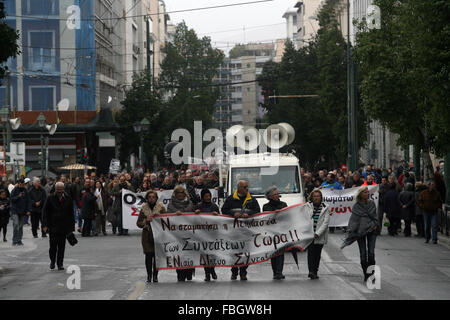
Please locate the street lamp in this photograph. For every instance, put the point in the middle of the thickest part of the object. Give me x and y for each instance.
(51, 128)
(139, 127)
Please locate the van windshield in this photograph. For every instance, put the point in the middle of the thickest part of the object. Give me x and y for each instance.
(286, 180)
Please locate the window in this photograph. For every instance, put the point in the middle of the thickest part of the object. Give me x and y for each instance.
(294, 20)
(44, 8)
(42, 97)
(42, 52)
(287, 179)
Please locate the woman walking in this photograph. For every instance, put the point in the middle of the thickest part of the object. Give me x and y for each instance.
(206, 205)
(103, 203)
(275, 204)
(180, 203)
(320, 214)
(4, 212)
(150, 209)
(362, 226)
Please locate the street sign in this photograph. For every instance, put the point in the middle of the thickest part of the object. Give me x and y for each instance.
(114, 166)
(17, 153)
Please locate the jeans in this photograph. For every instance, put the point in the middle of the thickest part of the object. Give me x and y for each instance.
(430, 222)
(367, 248)
(17, 228)
(314, 252)
(77, 214)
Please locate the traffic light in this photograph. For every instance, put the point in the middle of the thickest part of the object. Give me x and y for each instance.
(84, 157)
(41, 159)
(79, 156)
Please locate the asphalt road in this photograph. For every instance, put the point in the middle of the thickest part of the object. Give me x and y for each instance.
(113, 267)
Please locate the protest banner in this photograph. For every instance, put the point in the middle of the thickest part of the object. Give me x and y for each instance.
(132, 203)
(341, 203)
(205, 240)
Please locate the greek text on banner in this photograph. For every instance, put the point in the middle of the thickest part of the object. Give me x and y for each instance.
(205, 240)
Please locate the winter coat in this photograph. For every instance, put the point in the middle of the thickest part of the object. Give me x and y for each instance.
(105, 202)
(391, 204)
(207, 207)
(419, 211)
(89, 205)
(20, 205)
(430, 201)
(382, 189)
(37, 195)
(59, 219)
(322, 222)
(4, 211)
(148, 243)
(247, 205)
(184, 205)
(407, 198)
(273, 205)
(364, 219)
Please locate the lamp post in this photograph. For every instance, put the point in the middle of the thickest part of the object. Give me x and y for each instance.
(51, 128)
(139, 127)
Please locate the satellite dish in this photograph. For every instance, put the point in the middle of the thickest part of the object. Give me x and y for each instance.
(15, 123)
(51, 128)
(63, 105)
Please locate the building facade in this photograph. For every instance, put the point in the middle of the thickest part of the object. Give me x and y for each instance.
(77, 59)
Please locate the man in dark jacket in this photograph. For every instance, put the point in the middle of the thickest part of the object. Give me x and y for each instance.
(37, 196)
(117, 206)
(430, 201)
(382, 189)
(58, 220)
(20, 206)
(240, 205)
(88, 208)
(275, 204)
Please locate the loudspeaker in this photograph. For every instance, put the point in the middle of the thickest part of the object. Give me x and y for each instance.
(279, 135)
(51, 128)
(248, 138)
(15, 123)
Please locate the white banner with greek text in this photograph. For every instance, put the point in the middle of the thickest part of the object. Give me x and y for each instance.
(206, 240)
(341, 203)
(133, 202)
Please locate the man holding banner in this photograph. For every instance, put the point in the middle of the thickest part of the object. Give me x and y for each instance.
(240, 205)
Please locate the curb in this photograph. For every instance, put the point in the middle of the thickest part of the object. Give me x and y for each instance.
(442, 239)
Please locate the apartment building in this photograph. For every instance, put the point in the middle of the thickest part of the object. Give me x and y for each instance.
(77, 59)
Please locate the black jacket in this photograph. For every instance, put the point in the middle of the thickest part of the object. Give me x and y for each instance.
(250, 207)
(88, 207)
(20, 205)
(37, 195)
(4, 213)
(207, 207)
(273, 205)
(58, 219)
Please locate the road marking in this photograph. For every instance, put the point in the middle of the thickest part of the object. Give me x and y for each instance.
(140, 287)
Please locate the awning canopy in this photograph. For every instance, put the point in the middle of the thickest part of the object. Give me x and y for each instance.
(77, 166)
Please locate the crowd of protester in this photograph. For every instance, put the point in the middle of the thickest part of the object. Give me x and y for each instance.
(96, 201)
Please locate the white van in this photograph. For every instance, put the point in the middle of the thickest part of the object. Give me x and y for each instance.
(252, 168)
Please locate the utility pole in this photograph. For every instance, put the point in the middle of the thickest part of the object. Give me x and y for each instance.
(349, 110)
(352, 133)
(8, 107)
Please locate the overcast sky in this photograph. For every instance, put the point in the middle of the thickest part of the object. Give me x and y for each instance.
(266, 16)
